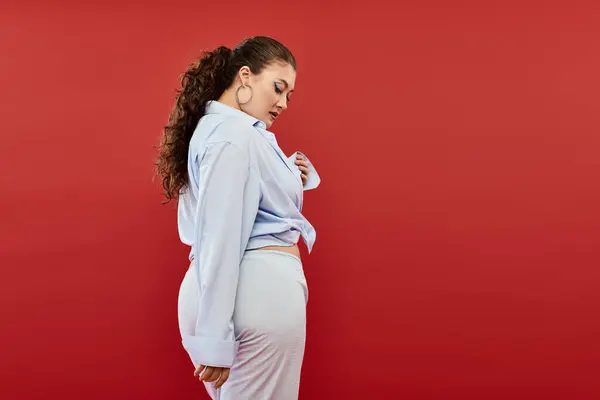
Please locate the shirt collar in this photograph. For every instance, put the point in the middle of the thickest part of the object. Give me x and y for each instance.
(216, 107)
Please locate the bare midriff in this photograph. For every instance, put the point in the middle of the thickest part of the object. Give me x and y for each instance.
(294, 249)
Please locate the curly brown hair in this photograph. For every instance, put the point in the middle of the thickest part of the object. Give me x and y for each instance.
(205, 80)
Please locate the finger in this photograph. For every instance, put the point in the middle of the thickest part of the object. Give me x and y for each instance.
(222, 379)
(299, 156)
(206, 373)
(304, 178)
(213, 376)
(304, 170)
(199, 370)
(302, 163)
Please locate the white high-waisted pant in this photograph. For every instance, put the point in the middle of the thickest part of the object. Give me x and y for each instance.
(270, 323)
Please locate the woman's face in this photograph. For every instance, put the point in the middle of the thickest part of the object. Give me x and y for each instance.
(271, 91)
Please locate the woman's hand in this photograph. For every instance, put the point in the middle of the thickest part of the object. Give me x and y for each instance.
(303, 166)
(218, 375)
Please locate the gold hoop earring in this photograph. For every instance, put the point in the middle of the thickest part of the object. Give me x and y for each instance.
(237, 94)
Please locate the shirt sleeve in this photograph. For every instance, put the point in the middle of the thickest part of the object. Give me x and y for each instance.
(228, 198)
(314, 179)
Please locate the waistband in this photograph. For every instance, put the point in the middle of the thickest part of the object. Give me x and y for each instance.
(252, 253)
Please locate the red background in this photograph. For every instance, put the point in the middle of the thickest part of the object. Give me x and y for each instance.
(458, 221)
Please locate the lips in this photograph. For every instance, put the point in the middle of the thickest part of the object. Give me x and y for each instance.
(274, 114)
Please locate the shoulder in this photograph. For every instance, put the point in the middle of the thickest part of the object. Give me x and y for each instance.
(236, 131)
(215, 133)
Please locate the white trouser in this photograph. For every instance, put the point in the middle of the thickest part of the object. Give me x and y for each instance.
(270, 323)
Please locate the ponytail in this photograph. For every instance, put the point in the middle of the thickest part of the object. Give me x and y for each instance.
(204, 80)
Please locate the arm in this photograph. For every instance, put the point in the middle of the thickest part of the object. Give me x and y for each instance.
(227, 205)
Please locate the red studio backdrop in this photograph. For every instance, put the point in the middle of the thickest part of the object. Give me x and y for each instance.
(458, 220)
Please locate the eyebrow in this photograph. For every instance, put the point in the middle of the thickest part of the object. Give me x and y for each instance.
(285, 83)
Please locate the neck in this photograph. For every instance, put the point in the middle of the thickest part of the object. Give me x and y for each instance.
(228, 98)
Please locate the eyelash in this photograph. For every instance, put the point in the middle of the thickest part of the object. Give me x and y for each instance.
(279, 91)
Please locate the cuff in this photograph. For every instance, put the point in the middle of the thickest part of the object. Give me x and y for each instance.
(210, 351)
(313, 176)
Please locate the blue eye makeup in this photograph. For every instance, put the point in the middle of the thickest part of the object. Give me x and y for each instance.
(279, 91)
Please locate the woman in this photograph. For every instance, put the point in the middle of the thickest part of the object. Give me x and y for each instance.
(242, 302)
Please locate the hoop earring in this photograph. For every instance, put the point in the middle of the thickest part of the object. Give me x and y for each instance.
(237, 94)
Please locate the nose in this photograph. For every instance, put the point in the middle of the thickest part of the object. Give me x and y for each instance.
(282, 103)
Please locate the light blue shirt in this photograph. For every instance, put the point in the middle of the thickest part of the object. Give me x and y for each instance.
(243, 193)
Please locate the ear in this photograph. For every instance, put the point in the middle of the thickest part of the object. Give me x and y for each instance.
(244, 74)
